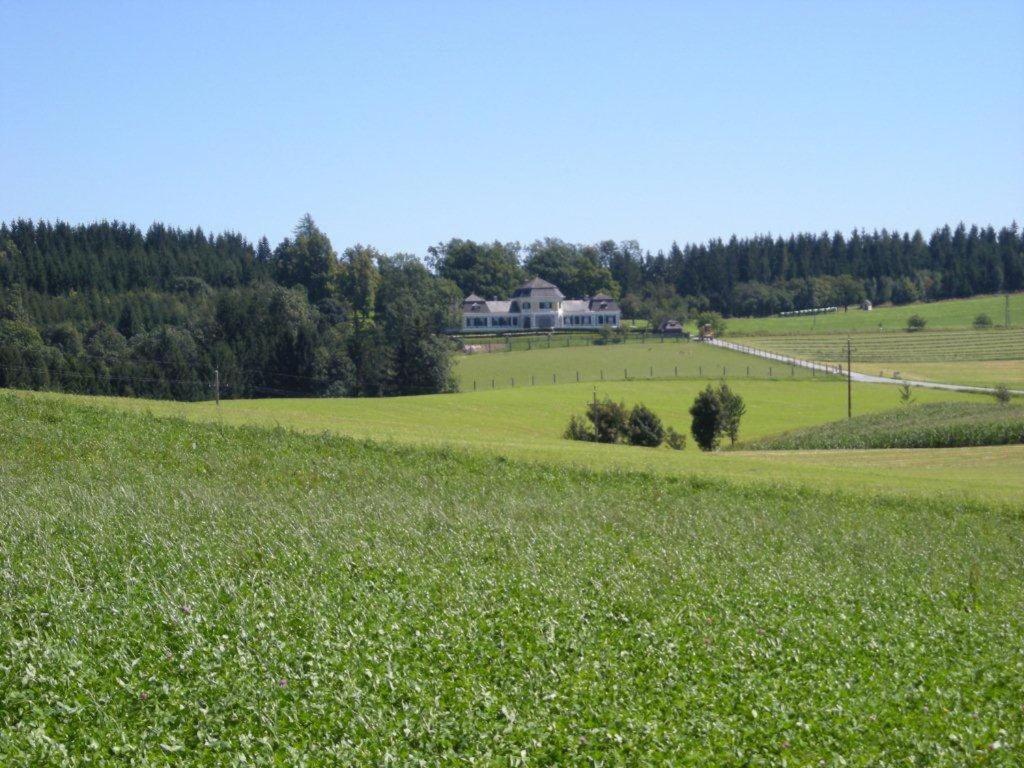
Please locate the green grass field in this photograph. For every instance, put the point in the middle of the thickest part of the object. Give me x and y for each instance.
(527, 423)
(923, 346)
(180, 593)
(983, 373)
(964, 356)
(656, 359)
(953, 313)
(933, 425)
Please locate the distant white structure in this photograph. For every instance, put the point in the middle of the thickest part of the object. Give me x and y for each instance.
(815, 311)
(866, 305)
(539, 305)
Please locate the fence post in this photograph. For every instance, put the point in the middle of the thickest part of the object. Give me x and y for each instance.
(677, 371)
(652, 371)
(723, 371)
(513, 381)
(602, 374)
(769, 371)
(577, 377)
(533, 380)
(554, 378)
(474, 385)
(492, 383)
(625, 373)
(700, 371)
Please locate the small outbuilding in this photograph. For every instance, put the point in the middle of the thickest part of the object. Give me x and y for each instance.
(670, 328)
(866, 305)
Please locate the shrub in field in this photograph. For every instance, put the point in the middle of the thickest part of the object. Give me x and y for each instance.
(906, 393)
(1002, 394)
(982, 321)
(916, 323)
(706, 425)
(610, 420)
(733, 409)
(645, 428)
(675, 440)
(578, 430)
(716, 412)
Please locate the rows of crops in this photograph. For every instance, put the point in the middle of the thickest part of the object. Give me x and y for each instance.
(934, 425)
(900, 346)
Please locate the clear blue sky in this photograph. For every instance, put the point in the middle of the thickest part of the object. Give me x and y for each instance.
(401, 124)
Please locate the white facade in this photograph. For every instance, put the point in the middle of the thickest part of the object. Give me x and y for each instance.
(539, 305)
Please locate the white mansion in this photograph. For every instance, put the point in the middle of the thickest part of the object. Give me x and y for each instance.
(537, 304)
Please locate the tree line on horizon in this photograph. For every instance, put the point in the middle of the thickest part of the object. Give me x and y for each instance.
(105, 308)
(756, 276)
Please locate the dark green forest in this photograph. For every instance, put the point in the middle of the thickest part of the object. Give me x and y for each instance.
(105, 308)
(108, 309)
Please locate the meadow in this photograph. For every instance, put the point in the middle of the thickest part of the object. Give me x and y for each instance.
(655, 359)
(176, 592)
(951, 313)
(900, 346)
(963, 356)
(933, 425)
(526, 423)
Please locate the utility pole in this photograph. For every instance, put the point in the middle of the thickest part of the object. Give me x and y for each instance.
(849, 380)
(216, 385)
(1006, 311)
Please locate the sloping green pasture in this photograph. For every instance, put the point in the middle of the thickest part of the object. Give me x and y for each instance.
(900, 346)
(965, 356)
(527, 423)
(192, 594)
(952, 313)
(657, 359)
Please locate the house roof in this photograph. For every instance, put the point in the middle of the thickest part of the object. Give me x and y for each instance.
(536, 288)
(602, 301)
(498, 306)
(474, 303)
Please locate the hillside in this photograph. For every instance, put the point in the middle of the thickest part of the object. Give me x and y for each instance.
(176, 591)
(947, 314)
(527, 423)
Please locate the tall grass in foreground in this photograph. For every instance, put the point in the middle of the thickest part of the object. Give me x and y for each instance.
(932, 425)
(175, 593)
